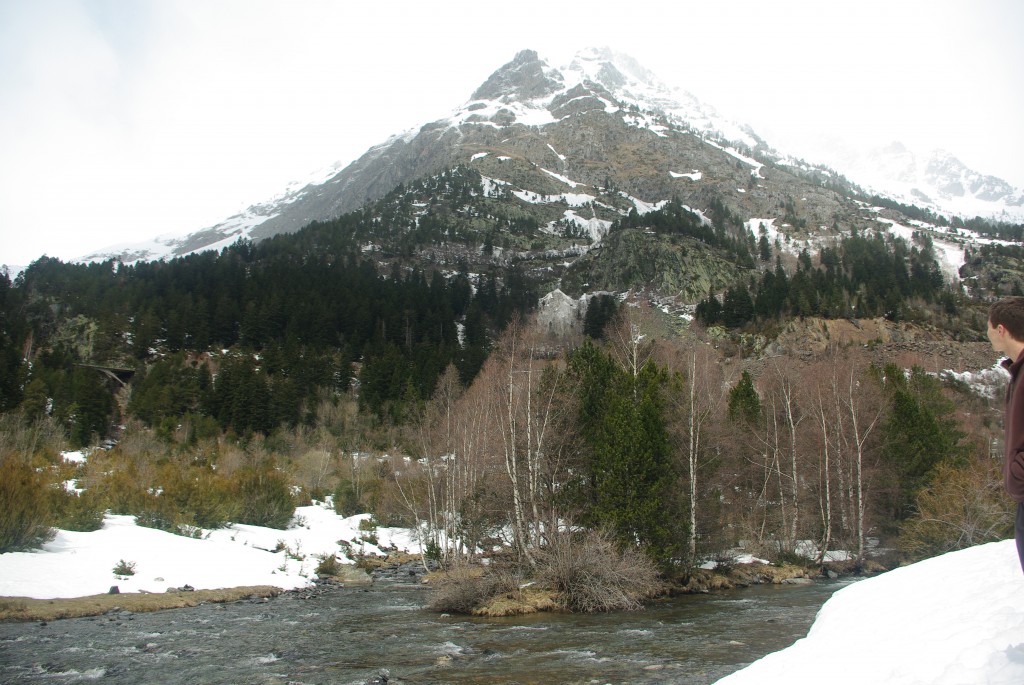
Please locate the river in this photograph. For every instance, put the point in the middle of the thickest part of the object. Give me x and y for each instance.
(354, 635)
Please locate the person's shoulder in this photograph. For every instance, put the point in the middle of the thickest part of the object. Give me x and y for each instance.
(1014, 365)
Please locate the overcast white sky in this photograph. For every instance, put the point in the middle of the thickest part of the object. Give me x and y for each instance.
(121, 120)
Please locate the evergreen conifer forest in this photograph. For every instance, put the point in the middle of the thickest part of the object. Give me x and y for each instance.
(232, 386)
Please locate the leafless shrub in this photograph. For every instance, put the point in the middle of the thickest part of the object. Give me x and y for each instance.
(139, 442)
(315, 471)
(121, 479)
(232, 458)
(464, 588)
(592, 573)
(264, 497)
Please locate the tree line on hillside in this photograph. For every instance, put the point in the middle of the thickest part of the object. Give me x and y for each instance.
(988, 227)
(248, 338)
(245, 336)
(725, 233)
(1002, 230)
(862, 276)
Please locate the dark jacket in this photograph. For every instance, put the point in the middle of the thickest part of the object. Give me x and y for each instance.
(1013, 425)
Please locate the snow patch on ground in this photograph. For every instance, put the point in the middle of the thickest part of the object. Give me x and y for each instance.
(643, 207)
(990, 382)
(949, 253)
(956, 619)
(597, 229)
(567, 181)
(77, 564)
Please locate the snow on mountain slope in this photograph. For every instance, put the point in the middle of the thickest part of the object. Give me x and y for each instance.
(530, 92)
(527, 91)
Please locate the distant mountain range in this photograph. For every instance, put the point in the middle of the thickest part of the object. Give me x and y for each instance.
(937, 181)
(605, 122)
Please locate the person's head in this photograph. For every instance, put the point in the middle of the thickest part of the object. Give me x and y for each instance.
(1006, 324)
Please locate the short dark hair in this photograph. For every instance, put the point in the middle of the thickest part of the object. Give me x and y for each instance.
(1009, 312)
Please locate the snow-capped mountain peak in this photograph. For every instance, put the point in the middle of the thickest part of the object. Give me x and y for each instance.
(528, 92)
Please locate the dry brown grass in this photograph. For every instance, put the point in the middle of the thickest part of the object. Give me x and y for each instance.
(455, 573)
(518, 602)
(775, 575)
(352, 575)
(26, 609)
(466, 589)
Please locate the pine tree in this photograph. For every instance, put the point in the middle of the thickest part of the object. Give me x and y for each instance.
(737, 308)
(709, 311)
(744, 402)
(921, 433)
(600, 310)
(628, 469)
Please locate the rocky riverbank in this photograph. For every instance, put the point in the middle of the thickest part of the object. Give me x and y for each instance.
(701, 581)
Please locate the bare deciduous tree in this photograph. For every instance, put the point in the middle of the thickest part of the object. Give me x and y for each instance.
(847, 409)
(700, 401)
(454, 444)
(865, 407)
(783, 418)
(630, 344)
(514, 420)
(960, 508)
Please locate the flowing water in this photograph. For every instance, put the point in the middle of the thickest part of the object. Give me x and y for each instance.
(347, 635)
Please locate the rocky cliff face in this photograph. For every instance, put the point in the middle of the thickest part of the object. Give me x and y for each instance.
(525, 79)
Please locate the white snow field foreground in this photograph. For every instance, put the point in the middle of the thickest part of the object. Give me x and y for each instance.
(956, 619)
(81, 564)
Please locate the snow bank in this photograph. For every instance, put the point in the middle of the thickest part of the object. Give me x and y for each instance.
(957, 619)
(79, 564)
